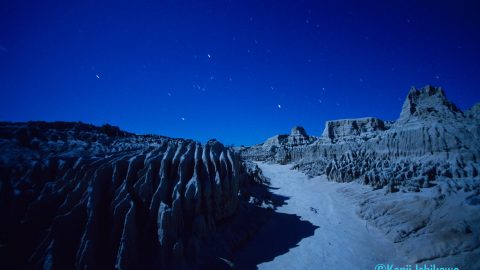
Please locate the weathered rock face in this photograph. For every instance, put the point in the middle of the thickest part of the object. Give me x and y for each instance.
(432, 139)
(428, 103)
(298, 131)
(431, 154)
(353, 129)
(78, 196)
(474, 112)
(282, 148)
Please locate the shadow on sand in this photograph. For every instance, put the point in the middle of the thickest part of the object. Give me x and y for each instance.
(276, 237)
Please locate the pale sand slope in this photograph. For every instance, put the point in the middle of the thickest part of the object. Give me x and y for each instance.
(342, 240)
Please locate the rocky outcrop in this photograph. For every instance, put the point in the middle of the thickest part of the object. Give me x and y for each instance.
(281, 148)
(424, 170)
(298, 136)
(428, 103)
(353, 129)
(432, 139)
(474, 112)
(76, 196)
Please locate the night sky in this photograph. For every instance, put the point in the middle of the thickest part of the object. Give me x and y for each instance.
(238, 71)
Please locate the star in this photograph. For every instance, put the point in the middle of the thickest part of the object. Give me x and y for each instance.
(98, 76)
(279, 106)
(183, 118)
(209, 56)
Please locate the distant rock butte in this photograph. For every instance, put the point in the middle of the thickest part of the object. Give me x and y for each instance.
(298, 132)
(353, 128)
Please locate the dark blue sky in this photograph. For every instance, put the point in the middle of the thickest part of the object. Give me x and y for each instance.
(238, 71)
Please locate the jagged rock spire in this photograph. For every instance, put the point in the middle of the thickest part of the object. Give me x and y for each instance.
(428, 102)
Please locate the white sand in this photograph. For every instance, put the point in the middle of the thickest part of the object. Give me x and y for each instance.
(342, 239)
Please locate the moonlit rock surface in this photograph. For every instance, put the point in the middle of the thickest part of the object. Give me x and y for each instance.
(298, 132)
(351, 129)
(474, 112)
(428, 103)
(85, 197)
(279, 146)
(432, 150)
(431, 139)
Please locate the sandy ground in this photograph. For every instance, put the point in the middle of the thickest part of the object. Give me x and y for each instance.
(316, 228)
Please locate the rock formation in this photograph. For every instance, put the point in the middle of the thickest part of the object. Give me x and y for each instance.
(79, 196)
(76, 196)
(431, 139)
(353, 129)
(474, 112)
(433, 149)
(282, 148)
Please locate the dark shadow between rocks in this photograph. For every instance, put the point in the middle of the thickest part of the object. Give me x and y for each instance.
(255, 234)
(279, 234)
(277, 200)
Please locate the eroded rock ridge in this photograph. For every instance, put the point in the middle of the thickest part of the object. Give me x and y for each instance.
(76, 196)
(427, 162)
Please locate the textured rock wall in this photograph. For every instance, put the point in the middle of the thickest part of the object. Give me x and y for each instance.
(77, 196)
(428, 161)
(431, 139)
(280, 148)
(353, 128)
